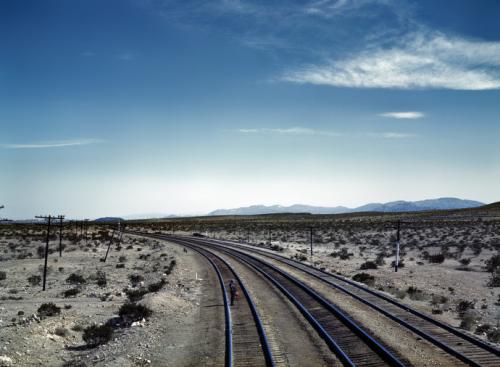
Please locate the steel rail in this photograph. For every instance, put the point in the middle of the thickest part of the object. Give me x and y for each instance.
(227, 315)
(300, 266)
(258, 322)
(368, 340)
(378, 348)
(312, 271)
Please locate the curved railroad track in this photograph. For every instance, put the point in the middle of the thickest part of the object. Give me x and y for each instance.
(351, 344)
(467, 348)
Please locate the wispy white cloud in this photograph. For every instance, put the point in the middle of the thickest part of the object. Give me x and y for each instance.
(403, 115)
(313, 132)
(284, 26)
(422, 60)
(324, 8)
(52, 144)
(393, 135)
(289, 131)
(332, 8)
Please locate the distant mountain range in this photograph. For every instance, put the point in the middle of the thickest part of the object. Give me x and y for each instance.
(393, 206)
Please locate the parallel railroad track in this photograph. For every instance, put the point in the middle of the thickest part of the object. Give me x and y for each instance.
(467, 348)
(246, 341)
(351, 344)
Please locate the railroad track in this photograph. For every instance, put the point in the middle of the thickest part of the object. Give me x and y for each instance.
(351, 344)
(467, 348)
(246, 341)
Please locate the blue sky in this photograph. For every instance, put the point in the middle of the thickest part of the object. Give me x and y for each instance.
(128, 107)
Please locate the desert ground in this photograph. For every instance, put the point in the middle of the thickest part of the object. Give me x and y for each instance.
(84, 321)
(145, 304)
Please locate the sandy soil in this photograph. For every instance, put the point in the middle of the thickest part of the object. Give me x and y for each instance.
(181, 315)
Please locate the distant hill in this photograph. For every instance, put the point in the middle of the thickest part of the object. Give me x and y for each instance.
(413, 206)
(493, 206)
(276, 209)
(393, 206)
(109, 219)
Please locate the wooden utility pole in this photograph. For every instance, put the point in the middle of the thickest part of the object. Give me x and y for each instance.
(85, 221)
(121, 235)
(109, 246)
(311, 240)
(49, 219)
(60, 235)
(398, 239)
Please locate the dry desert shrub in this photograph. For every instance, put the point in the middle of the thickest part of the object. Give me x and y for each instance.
(463, 306)
(482, 329)
(135, 279)
(415, 293)
(76, 279)
(436, 259)
(95, 335)
(364, 278)
(493, 263)
(155, 287)
(48, 309)
(34, 280)
(135, 295)
(134, 312)
(465, 262)
(368, 265)
(469, 319)
(100, 278)
(300, 257)
(494, 279)
(71, 292)
(494, 335)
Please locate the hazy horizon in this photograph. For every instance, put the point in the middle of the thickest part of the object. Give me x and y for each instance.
(165, 214)
(126, 107)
